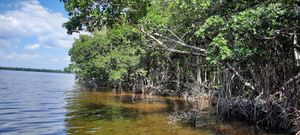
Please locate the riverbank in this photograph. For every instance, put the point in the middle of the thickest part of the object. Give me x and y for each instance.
(264, 113)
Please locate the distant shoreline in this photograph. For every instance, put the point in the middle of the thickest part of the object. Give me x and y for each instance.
(32, 69)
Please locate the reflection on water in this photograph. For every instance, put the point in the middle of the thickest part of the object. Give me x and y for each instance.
(108, 113)
(95, 112)
(48, 103)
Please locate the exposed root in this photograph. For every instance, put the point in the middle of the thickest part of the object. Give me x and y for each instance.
(267, 114)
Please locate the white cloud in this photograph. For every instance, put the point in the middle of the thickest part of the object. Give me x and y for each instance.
(31, 19)
(62, 58)
(17, 56)
(32, 47)
(67, 58)
(8, 43)
(4, 43)
(48, 47)
(55, 59)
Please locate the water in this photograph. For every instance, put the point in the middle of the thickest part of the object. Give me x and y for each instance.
(34, 103)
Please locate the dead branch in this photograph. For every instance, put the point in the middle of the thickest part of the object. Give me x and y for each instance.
(182, 43)
(294, 78)
(241, 78)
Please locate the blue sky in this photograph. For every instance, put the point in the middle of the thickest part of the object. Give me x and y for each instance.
(31, 34)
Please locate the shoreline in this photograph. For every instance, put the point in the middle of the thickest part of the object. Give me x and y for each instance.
(33, 70)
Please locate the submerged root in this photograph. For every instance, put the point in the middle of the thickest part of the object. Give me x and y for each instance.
(265, 114)
(195, 118)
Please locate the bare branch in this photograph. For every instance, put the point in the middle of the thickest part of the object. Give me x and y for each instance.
(241, 78)
(181, 43)
(152, 37)
(180, 39)
(177, 51)
(294, 78)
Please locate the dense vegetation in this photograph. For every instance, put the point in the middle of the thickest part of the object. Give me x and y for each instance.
(34, 69)
(241, 55)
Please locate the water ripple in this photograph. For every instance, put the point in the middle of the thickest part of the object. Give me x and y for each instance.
(33, 103)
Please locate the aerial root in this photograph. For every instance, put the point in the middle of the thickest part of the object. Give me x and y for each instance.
(266, 114)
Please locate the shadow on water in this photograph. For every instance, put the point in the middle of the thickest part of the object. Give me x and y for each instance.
(95, 112)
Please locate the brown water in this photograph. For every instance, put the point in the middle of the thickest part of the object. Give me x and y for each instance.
(46, 103)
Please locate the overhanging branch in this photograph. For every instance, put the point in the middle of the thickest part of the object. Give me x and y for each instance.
(231, 68)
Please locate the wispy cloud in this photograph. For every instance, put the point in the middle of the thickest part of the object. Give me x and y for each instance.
(34, 20)
(55, 59)
(7, 43)
(63, 58)
(32, 47)
(17, 56)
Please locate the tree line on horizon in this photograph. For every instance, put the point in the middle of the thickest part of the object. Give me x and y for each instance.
(66, 69)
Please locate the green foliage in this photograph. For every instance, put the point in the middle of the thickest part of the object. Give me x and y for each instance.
(228, 31)
(232, 31)
(156, 17)
(108, 55)
(218, 49)
(211, 24)
(93, 15)
(260, 21)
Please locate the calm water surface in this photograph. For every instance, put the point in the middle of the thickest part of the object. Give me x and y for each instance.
(33, 103)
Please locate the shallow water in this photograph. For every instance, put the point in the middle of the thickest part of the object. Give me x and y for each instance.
(50, 103)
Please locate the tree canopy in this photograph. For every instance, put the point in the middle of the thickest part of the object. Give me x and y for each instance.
(93, 15)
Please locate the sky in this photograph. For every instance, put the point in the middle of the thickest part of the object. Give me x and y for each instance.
(32, 36)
